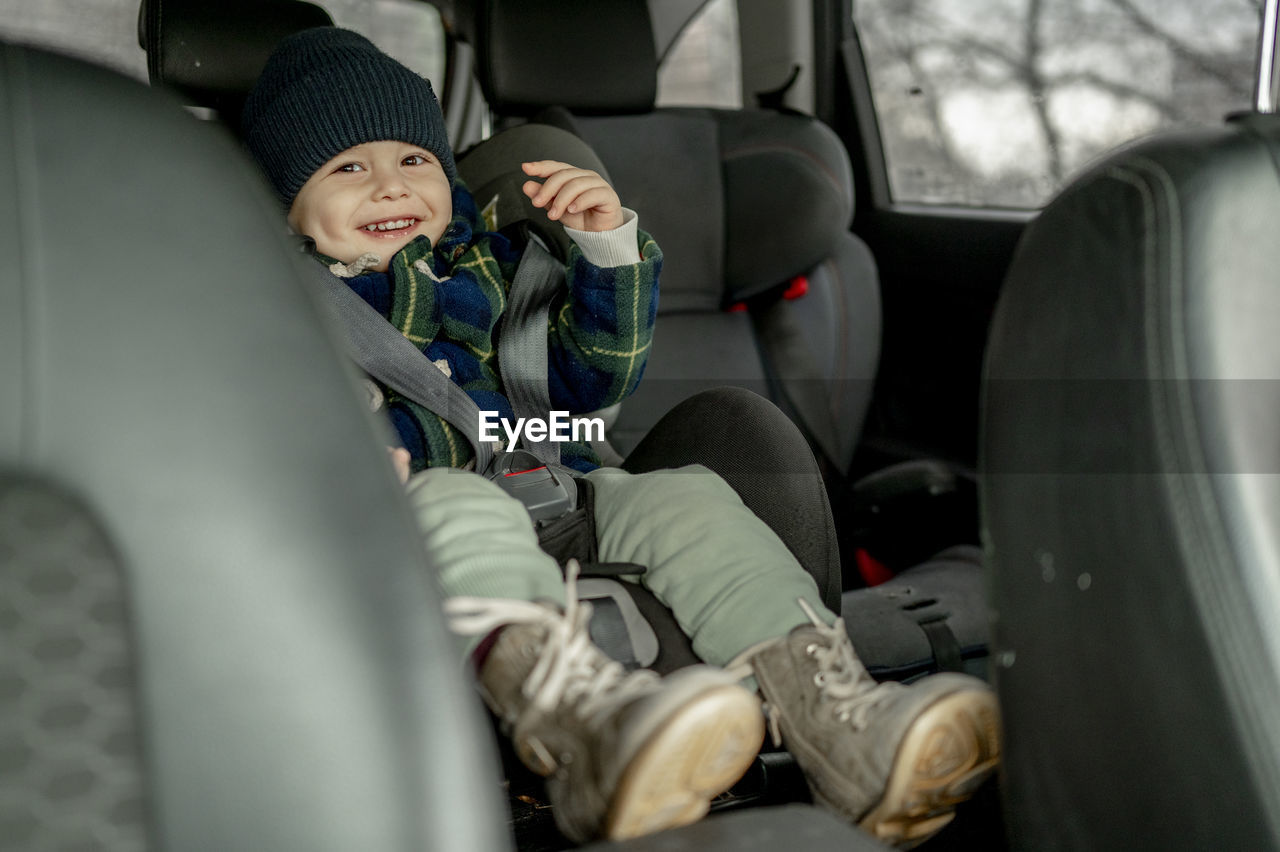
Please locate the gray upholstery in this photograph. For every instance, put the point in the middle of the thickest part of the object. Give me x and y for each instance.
(741, 201)
(648, 157)
(162, 362)
(1130, 452)
(71, 773)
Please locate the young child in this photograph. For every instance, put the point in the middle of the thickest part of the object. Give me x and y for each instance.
(355, 147)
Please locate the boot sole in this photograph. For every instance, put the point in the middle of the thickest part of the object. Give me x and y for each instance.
(700, 751)
(946, 754)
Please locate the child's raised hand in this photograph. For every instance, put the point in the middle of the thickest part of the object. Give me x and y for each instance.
(577, 198)
(400, 459)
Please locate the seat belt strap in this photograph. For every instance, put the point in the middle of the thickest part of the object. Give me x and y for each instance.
(546, 490)
(388, 356)
(522, 347)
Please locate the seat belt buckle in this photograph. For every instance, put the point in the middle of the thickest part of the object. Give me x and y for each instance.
(546, 491)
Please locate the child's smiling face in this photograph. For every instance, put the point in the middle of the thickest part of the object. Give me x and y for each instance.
(373, 197)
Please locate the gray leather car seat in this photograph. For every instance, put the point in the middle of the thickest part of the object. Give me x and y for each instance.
(745, 203)
(217, 624)
(1130, 488)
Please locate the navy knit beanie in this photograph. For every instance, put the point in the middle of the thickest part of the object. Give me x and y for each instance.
(326, 89)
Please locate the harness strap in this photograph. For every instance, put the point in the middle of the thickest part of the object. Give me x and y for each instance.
(387, 355)
(943, 643)
(522, 349)
(533, 475)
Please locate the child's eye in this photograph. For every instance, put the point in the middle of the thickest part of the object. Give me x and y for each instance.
(416, 160)
(349, 167)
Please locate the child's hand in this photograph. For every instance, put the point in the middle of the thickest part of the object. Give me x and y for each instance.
(577, 198)
(400, 461)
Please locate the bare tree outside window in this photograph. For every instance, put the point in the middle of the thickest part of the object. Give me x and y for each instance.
(703, 67)
(996, 103)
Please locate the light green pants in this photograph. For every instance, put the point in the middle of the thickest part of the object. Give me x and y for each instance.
(728, 579)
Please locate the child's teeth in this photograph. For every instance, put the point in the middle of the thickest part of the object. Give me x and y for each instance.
(390, 226)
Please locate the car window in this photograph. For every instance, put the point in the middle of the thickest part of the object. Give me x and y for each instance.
(997, 103)
(101, 31)
(105, 31)
(408, 30)
(704, 67)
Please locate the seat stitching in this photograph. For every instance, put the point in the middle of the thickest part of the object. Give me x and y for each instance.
(1200, 535)
(17, 77)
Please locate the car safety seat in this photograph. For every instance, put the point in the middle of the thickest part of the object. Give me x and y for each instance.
(217, 627)
(763, 286)
(1130, 487)
(232, 51)
(931, 616)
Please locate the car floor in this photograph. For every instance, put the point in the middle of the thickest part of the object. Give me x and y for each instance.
(773, 780)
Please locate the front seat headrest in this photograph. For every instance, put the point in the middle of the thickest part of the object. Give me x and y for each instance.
(209, 53)
(587, 56)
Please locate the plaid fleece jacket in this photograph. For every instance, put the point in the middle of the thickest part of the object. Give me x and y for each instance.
(449, 302)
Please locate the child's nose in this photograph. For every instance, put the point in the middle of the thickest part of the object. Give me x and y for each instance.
(389, 184)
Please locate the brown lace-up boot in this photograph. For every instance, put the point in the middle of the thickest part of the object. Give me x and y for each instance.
(892, 758)
(624, 754)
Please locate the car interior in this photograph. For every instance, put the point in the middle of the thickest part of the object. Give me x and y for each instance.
(218, 628)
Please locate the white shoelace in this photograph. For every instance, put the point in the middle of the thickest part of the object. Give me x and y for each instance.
(840, 676)
(570, 670)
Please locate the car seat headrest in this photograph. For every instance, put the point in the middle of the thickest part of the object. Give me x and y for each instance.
(588, 56)
(788, 197)
(492, 172)
(212, 53)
